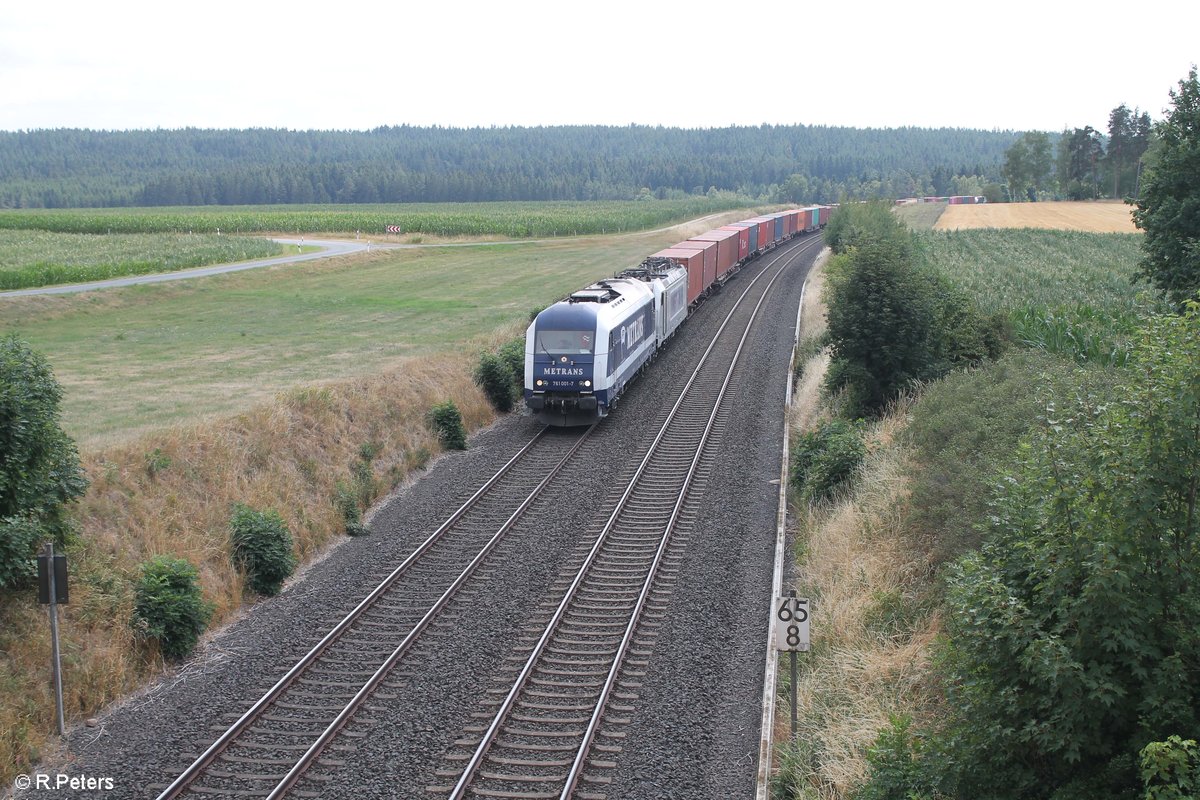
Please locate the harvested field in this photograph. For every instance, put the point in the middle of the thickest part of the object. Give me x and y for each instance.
(1110, 217)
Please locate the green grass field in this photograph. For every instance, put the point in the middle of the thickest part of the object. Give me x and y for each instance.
(509, 220)
(135, 359)
(43, 258)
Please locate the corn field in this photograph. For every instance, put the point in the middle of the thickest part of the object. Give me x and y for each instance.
(1066, 292)
(516, 220)
(42, 258)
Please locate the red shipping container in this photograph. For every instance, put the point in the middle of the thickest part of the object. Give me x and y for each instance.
(766, 231)
(792, 220)
(743, 239)
(710, 260)
(727, 248)
(693, 262)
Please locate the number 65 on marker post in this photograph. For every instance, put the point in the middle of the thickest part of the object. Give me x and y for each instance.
(791, 623)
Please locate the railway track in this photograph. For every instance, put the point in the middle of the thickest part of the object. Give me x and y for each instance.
(556, 727)
(281, 744)
(275, 742)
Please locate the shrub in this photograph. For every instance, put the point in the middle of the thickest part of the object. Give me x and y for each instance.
(492, 374)
(1171, 769)
(896, 764)
(447, 423)
(19, 538)
(513, 354)
(346, 501)
(39, 467)
(825, 460)
(157, 461)
(262, 548)
(882, 320)
(168, 606)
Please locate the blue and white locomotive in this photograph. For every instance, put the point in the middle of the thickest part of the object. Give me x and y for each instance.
(581, 352)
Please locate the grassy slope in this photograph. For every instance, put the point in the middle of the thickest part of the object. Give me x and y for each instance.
(133, 360)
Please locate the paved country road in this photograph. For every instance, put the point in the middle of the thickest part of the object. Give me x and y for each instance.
(328, 248)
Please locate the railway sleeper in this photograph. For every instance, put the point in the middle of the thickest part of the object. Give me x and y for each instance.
(244, 776)
(569, 733)
(516, 777)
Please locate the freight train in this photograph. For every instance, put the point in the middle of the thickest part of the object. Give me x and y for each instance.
(581, 352)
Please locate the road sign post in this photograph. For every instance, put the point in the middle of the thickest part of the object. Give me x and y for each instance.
(791, 634)
(52, 590)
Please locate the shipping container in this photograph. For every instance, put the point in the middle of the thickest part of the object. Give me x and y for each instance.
(693, 262)
(727, 248)
(806, 220)
(710, 260)
(752, 228)
(766, 231)
(743, 239)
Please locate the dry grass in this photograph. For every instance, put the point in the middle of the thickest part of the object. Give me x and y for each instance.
(171, 492)
(1090, 217)
(871, 636)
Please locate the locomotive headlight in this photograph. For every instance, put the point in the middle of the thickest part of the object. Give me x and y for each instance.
(538, 382)
(587, 383)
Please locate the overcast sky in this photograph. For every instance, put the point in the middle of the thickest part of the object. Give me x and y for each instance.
(359, 64)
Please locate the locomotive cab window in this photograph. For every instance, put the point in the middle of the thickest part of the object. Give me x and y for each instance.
(566, 342)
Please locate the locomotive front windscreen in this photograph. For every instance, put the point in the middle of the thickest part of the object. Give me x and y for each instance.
(565, 342)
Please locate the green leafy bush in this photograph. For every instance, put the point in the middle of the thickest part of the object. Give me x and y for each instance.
(493, 375)
(262, 548)
(39, 465)
(19, 539)
(168, 606)
(346, 501)
(447, 423)
(1072, 633)
(513, 353)
(897, 765)
(826, 460)
(1171, 769)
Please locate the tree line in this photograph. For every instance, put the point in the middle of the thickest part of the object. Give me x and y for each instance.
(1082, 164)
(794, 163)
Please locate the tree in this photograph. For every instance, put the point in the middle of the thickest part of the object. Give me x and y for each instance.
(1128, 137)
(1169, 209)
(39, 465)
(1080, 153)
(1028, 166)
(881, 318)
